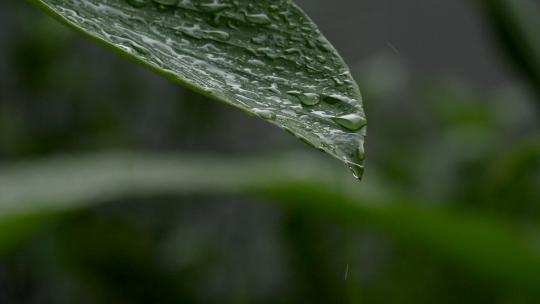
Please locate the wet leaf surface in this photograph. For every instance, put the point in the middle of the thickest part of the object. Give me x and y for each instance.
(264, 57)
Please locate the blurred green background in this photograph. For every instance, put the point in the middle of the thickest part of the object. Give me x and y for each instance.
(118, 186)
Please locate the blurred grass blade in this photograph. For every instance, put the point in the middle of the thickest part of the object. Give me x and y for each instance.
(517, 24)
(487, 247)
(265, 57)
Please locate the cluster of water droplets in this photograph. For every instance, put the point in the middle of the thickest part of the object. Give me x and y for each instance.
(263, 56)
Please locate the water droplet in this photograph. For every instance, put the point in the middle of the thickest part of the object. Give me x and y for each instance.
(309, 99)
(273, 88)
(213, 7)
(232, 25)
(265, 114)
(259, 39)
(219, 35)
(311, 44)
(139, 49)
(321, 59)
(261, 19)
(292, 25)
(337, 81)
(268, 52)
(256, 62)
(334, 98)
(361, 152)
(324, 46)
(357, 170)
(293, 51)
(352, 122)
(294, 93)
(273, 8)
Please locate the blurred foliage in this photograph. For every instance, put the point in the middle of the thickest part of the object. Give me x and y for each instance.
(448, 211)
(516, 24)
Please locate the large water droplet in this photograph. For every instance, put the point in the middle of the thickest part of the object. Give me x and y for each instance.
(309, 99)
(352, 122)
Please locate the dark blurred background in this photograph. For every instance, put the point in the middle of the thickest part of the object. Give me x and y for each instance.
(453, 125)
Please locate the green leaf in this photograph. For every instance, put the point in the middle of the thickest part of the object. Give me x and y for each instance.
(494, 249)
(265, 57)
(517, 25)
